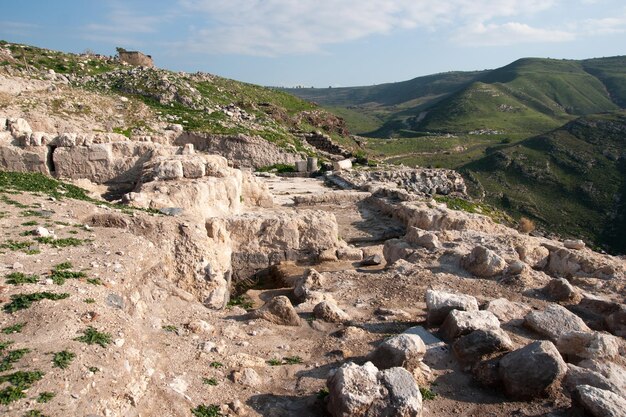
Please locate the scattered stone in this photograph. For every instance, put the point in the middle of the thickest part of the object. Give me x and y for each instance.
(554, 321)
(581, 376)
(612, 371)
(422, 238)
(115, 301)
(310, 281)
(440, 303)
(279, 311)
(587, 345)
(328, 255)
(459, 323)
(487, 372)
(200, 326)
(247, 376)
(532, 371)
(405, 350)
(516, 268)
(616, 322)
(599, 402)
(560, 289)
(42, 232)
(372, 260)
(349, 254)
(506, 310)
(364, 391)
(330, 312)
(171, 211)
(427, 337)
(574, 244)
(474, 346)
(344, 165)
(483, 262)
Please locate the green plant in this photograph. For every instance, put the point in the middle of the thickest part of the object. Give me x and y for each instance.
(274, 362)
(19, 278)
(61, 272)
(16, 328)
(45, 397)
(427, 394)
(14, 245)
(322, 393)
(293, 360)
(92, 336)
(94, 369)
(7, 200)
(12, 357)
(89, 300)
(30, 223)
(34, 413)
(94, 281)
(60, 243)
(63, 359)
(63, 266)
(5, 344)
(240, 301)
(170, 328)
(216, 365)
(23, 301)
(11, 394)
(209, 381)
(206, 411)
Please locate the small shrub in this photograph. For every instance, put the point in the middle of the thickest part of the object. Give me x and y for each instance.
(11, 394)
(93, 369)
(274, 362)
(209, 381)
(170, 328)
(63, 359)
(45, 397)
(293, 360)
(240, 301)
(19, 278)
(216, 365)
(61, 272)
(12, 357)
(16, 328)
(207, 411)
(63, 266)
(89, 300)
(23, 301)
(34, 413)
(526, 225)
(94, 281)
(92, 336)
(30, 223)
(427, 394)
(22, 379)
(59, 243)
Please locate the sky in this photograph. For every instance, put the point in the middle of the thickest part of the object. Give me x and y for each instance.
(323, 43)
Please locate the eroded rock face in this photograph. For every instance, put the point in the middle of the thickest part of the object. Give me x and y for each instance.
(440, 303)
(532, 371)
(364, 391)
(599, 402)
(279, 311)
(554, 321)
(484, 262)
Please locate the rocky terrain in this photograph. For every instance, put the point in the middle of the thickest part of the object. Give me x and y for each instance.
(151, 275)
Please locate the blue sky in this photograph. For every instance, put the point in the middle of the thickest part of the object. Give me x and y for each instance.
(324, 42)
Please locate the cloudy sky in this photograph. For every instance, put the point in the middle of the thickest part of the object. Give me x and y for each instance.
(324, 42)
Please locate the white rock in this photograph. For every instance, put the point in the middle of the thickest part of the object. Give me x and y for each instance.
(440, 303)
(574, 244)
(459, 323)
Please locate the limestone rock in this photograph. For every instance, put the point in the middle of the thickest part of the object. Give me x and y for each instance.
(310, 281)
(601, 403)
(247, 376)
(440, 303)
(200, 326)
(560, 289)
(516, 268)
(364, 391)
(349, 254)
(554, 321)
(422, 238)
(168, 170)
(344, 165)
(506, 310)
(574, 244)
(279, 311)
(616, 322)
(588, 345)
(472, 347)
(483, 262)
(404, 350)
(330, 312)
(581, 376)
(612, 371)
(535, 256)
(372, 260)
(459, 323)
(532, 371)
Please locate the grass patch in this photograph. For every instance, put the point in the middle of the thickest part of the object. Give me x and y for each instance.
(209, 381)
(63, 359)
(61, 272)
(274, 362)
(89, 301)
(16, 328)
(34, 413)
(170, 328)
(10, 202)
(94, 281)
(30, 223)
(92, 336)
(11, 394)
(59, 243)
(427, 394)
(496, 215)
(216, 365)
(22, 379)
(240, 301)
(19, 278)
(279, 168)
(23, 301)
(4, 345)
(206, 411)
(12, 357)
(292, 360)
(14, 245)
(45, 397)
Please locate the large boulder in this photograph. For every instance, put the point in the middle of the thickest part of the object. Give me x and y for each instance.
(554, 321)
(599, 402)
(560, 289)
(364, 391)
(483, 262)
(439, 304)
(532, 371)
(588, 345)
(405, 350)
(329, 311)
(506, 310)
(474, 346)
(459, 323)
(279, 311)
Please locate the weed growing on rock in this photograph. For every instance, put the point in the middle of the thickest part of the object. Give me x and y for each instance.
(16, 328)
(23, 301)
(19, 278)
(206, 411)
(92, 336)
(45, 397)
(63, 359)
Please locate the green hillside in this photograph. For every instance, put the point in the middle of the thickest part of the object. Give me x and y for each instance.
(571, 180)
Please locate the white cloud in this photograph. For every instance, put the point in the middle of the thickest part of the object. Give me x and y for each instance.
(509, 33)
(606, 26)
(279, 27)
(17, 28)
